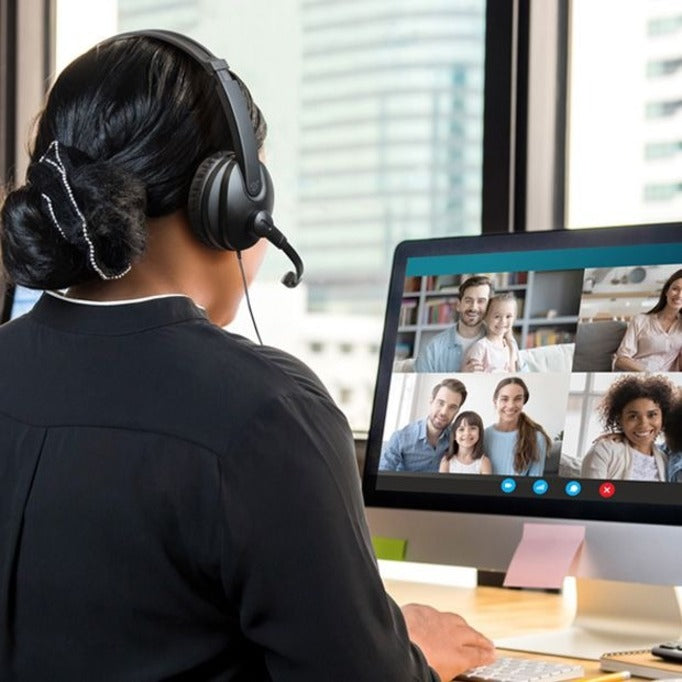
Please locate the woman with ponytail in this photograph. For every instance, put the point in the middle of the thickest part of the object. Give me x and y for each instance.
(515, 444)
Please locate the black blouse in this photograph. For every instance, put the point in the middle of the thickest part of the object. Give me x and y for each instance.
(179, 503)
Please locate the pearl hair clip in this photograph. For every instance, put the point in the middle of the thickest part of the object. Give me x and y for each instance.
(52, 157)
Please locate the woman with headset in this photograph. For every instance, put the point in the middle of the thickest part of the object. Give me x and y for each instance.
(149, 528)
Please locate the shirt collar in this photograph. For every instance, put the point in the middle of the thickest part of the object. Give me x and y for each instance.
(113, 318)
(127, 301)
(422, 432)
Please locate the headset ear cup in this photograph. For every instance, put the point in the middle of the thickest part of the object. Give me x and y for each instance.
(202, 223)
(220, 211)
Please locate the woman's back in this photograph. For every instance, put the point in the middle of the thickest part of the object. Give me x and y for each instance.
(145, 494)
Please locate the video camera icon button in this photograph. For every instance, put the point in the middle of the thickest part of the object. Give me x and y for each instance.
(508, 485)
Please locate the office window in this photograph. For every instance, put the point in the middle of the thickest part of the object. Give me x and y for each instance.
(663, 67)
(624, 112)
(375, 113)
(662, 25)
(663, 109)
(666, 191)
(663, 150)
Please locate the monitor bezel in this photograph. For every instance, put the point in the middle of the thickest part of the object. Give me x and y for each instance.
(499, 504)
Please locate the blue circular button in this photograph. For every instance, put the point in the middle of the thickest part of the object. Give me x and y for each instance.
(508, 485)
(540, 487)
(573, 488)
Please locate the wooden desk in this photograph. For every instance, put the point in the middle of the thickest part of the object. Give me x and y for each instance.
(495, 611)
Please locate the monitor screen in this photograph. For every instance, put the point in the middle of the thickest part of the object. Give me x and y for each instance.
(19, 300)
(530, 375)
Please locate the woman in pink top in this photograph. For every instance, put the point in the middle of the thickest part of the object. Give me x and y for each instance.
(653, 340)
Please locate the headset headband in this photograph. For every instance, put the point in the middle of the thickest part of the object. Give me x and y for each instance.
(229, 94)
(226, 209)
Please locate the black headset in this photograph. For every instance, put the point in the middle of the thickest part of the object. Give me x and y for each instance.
(231, 196)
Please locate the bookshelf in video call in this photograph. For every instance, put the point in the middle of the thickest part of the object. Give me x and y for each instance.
(547, 307)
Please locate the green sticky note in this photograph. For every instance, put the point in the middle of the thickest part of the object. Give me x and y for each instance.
(389, 548)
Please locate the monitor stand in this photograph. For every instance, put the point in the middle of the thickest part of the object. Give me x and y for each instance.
(610, 616)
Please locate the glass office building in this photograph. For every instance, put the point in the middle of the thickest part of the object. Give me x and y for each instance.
(391, 130)
(388, 99)
(625, 114)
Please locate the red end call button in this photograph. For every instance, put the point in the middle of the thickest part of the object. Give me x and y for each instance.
(607, 489)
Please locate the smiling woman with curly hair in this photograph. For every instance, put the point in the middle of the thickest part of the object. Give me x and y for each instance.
(634, 408)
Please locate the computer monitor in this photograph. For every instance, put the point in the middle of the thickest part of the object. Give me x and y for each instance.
(579, 297)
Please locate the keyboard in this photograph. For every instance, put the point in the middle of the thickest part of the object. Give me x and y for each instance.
(508, 669)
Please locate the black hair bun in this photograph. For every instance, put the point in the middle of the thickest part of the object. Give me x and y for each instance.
(73, 221)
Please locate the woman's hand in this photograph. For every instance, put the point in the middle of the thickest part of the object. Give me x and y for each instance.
(449, 644)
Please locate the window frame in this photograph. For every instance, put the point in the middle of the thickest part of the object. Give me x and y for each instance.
(27, 59)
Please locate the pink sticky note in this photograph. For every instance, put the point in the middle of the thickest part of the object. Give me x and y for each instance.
(544, 556)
